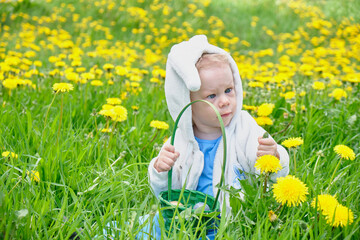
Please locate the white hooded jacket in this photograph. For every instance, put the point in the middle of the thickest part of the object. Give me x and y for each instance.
(242, 133)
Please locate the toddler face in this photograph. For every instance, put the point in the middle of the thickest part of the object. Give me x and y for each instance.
(217, 87)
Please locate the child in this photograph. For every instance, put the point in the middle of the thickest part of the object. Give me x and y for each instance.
(198, 70)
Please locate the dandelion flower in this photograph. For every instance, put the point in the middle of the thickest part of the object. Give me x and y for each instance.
(107, 107)
(338, 93)
(325, 203)
(120, 113)
(288, 95)
(290, 190)
(113, 101)
(344, 152)
(105, 130)
(108, 66)
(135, 108)
(272, 216)
(10, 84)
(318, 85)
(293, 142)
(262, 121)
(9, 154)
(96, 83)
(106, 112)
(34, 175)
(159, 124)
(256, 84)
(251, 108)
(265, 109)
(268, 163)
(342, 216)
(62, 87)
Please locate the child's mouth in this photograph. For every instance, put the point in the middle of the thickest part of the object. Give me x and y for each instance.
(225, 115)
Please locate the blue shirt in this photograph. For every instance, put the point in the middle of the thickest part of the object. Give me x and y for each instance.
(208, 148)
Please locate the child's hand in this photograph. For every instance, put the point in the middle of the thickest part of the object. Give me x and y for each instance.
(166, 159)
(267, 146)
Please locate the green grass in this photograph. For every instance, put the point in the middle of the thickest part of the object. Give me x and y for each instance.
(89, 178)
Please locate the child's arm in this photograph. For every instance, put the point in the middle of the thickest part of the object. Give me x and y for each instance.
(158, 175)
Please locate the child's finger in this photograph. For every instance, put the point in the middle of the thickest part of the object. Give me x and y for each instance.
(266, 141)
(165, 164)
(170, 148)
(266, 147)
(262, 153)
(163, 167)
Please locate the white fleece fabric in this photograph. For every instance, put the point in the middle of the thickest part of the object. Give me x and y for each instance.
(242, 133)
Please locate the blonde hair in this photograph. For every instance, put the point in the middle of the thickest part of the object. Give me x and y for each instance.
(208, 60)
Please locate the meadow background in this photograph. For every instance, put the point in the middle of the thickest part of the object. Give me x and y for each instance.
(74, 169)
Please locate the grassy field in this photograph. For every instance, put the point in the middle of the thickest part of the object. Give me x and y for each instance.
(68, 166)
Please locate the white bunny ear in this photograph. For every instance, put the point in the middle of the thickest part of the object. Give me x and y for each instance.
(183, 57)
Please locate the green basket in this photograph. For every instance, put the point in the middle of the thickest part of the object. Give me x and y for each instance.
(196, 219)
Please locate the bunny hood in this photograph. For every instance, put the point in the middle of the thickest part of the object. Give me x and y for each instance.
(182, 77)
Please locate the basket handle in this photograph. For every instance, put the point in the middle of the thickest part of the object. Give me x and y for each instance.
(224, 145)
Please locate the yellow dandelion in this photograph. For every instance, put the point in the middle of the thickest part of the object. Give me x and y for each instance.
(9, 154)
(113, 101)
(318, 85)
(108, 66)
(265, 109)
(325, 203)
(159, 124)
(60, 64)
(106, 107)
(268, 163)
(34, 175)
(106, 112)
(288, 95)
(293, 142)
(105, 130)
(135, 108)
(272, 216)
(96, 83)
(256, 84)
(344, 152)
(338, 93)
(63, 87)
(248, 107)
(290, 190)
(120, 113)
(10, 83)
(342, 216)
(262, 121)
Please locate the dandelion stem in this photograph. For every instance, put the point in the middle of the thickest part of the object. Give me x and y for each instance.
(294, 152)
(47, 113)
(333, 175)
(277, 210)
(112, 132)
(317, 160)
(15, 186)
(265, 182)
(60, 120)
(155, 135)
(96, 127)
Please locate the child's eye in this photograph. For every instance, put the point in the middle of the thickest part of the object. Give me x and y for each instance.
(228, 90)
(211, 96)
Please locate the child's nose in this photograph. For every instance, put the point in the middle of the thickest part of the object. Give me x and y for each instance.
(224, 101)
